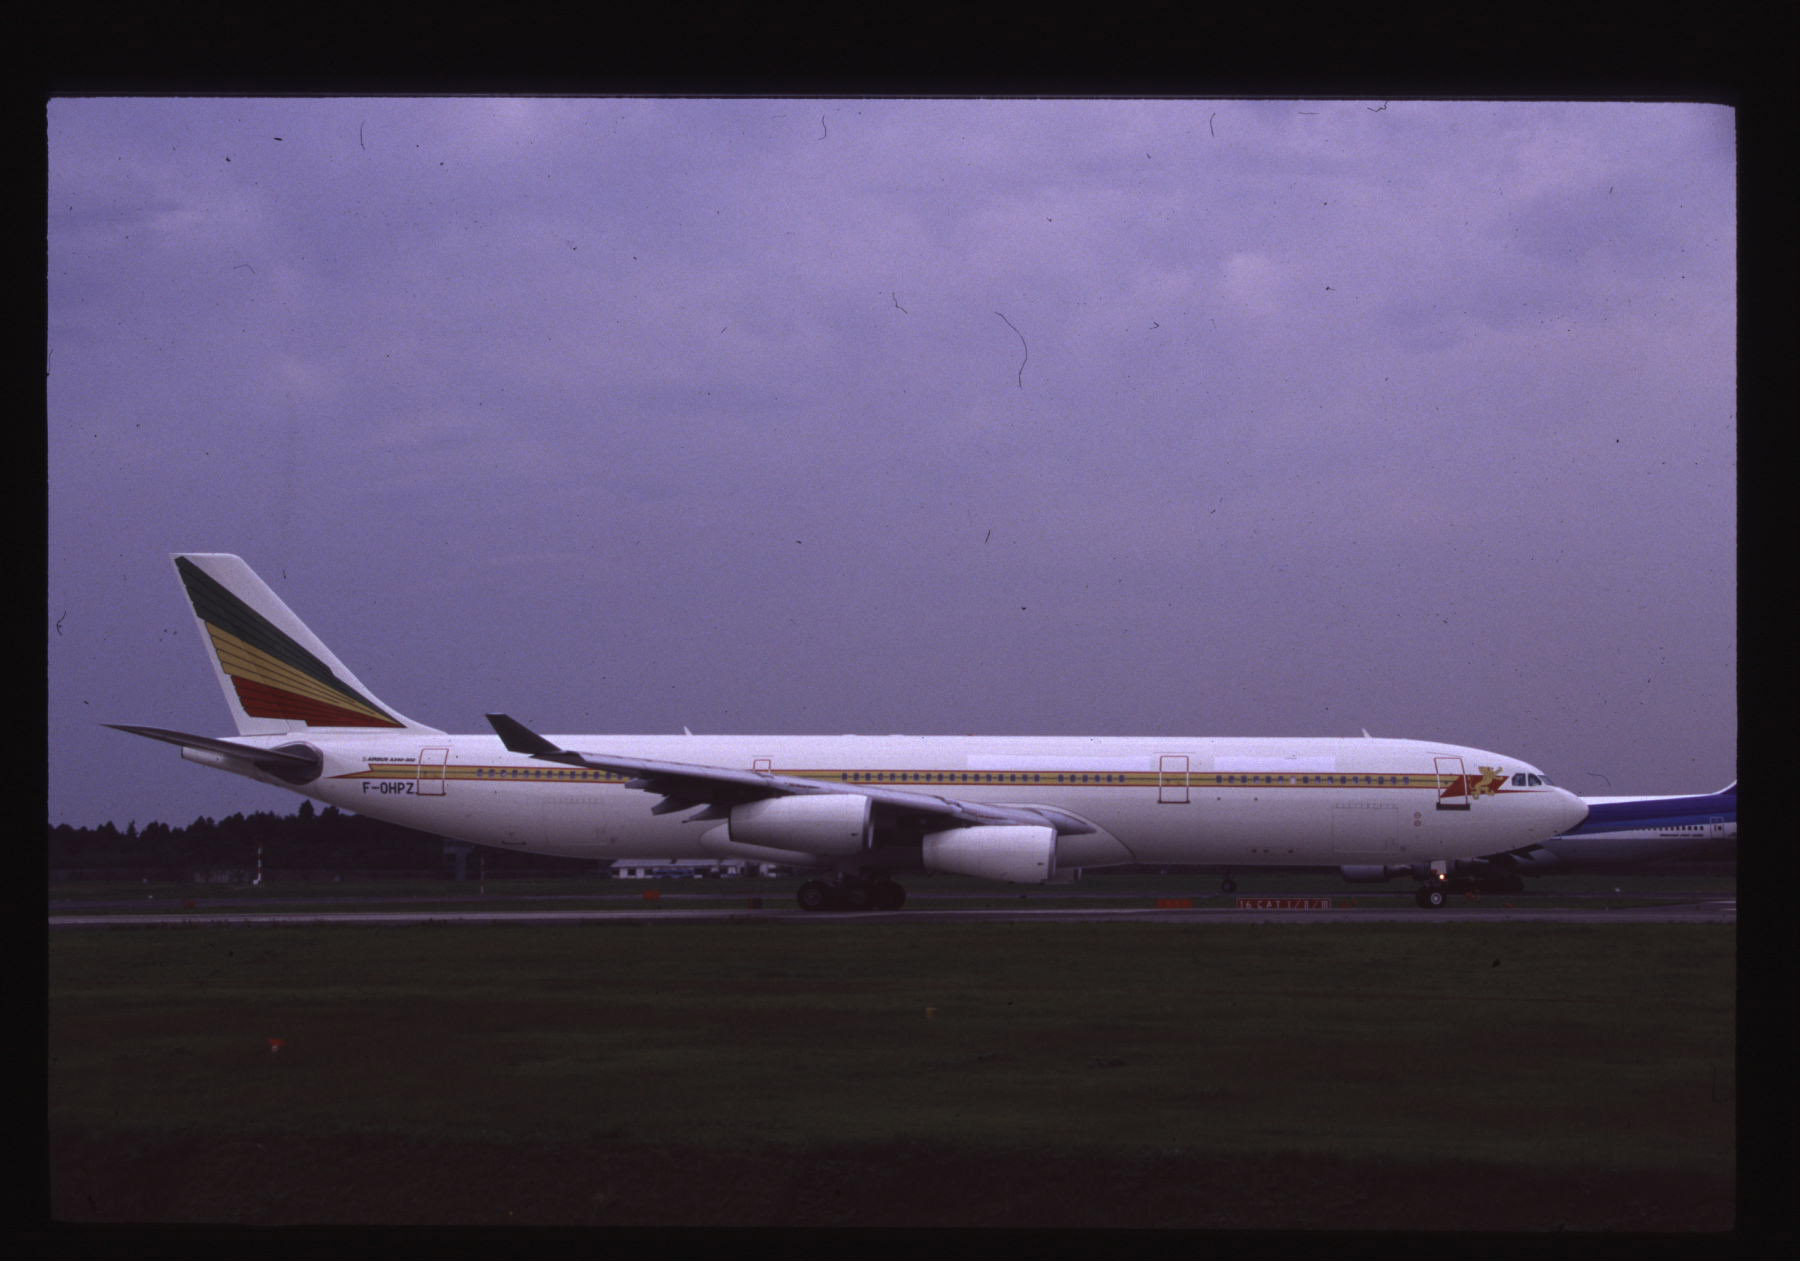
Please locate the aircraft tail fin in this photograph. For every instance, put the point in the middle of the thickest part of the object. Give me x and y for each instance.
(278, 677)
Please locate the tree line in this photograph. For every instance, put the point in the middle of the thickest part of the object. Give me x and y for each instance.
(311, 840)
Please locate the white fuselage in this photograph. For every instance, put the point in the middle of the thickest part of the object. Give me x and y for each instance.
(1223, 801)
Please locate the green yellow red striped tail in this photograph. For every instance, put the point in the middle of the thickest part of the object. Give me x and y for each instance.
(277, 675)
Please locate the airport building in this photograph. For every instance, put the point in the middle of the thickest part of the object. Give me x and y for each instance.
(664, 869)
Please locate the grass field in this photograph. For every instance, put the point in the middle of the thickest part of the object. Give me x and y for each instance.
(755, 1073)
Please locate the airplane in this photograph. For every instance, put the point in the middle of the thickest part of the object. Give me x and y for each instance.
(853, 812)
(1624, 832)
(1619, 834)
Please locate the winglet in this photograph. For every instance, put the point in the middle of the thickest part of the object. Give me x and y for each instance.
(518, 738)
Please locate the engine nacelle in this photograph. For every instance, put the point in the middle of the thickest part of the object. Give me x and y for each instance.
(838, 824)
(717, 842)
(1362, 874)
(1020, 854)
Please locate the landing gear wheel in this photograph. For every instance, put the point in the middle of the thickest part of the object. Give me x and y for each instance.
(859, 895)
(814, 895)
(889, 895)
(1431, 896)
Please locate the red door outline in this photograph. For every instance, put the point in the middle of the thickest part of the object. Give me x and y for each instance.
(1452, 783)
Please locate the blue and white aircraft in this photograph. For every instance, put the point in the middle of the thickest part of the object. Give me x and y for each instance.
(1619, 834)
(1627, 832)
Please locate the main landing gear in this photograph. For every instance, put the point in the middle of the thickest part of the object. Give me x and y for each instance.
(1436, 891)
(852, 894)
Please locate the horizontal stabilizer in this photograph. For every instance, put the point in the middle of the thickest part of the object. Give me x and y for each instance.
(294, 765)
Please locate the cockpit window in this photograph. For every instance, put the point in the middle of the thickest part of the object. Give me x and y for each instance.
(1519, 780)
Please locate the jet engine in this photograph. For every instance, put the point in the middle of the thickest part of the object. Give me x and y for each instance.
(1021, 854)
(836, 824)
(717, 842)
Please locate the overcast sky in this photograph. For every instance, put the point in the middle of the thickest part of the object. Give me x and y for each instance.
(1203, 417)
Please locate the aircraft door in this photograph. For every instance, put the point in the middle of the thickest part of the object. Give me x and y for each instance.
(432, 763)
(1172, 778)
(1452, 784)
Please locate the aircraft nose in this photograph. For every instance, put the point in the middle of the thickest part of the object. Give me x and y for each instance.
(1571, 811)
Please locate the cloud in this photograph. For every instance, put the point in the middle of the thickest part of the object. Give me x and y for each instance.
(1039, 388)
(1256, 283)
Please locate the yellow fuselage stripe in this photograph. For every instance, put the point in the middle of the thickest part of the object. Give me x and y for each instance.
(909, 779)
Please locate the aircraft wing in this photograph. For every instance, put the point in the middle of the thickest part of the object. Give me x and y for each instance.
(684, 785)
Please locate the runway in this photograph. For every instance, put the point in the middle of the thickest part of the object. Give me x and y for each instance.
(1709, 911)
